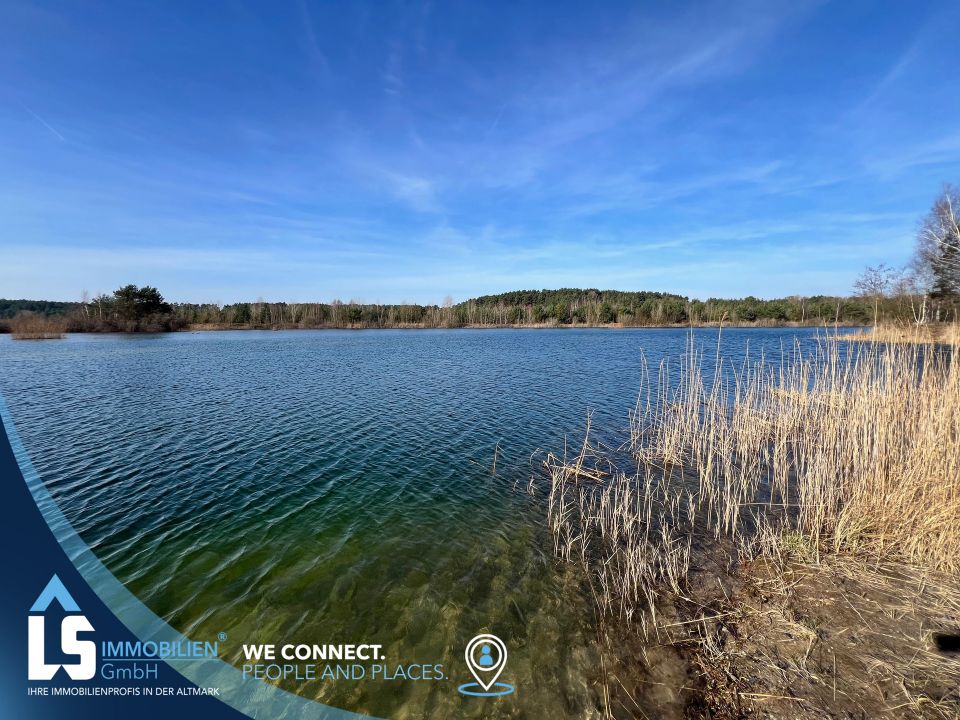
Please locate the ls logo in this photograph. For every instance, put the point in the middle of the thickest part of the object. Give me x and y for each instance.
(37, 668)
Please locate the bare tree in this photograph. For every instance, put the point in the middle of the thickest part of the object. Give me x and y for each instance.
(336, 306)
(874, 283)
(907, 287)
(938, 244)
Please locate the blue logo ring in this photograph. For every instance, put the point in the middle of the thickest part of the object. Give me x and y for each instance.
(506, 689)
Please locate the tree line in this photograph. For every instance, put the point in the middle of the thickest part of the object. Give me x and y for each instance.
(133, 309)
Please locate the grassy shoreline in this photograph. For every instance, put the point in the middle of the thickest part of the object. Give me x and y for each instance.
(931, 334)
(59, 330)
(788, 530)
(216, 327)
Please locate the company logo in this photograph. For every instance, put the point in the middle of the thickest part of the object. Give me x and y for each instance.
(73, 624)
(486, 656)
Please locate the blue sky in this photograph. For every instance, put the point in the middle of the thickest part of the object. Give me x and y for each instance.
(409, 151)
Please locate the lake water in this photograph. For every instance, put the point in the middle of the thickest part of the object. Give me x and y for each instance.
(338, 486)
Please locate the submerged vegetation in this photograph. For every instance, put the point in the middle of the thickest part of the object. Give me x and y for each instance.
(812, 468)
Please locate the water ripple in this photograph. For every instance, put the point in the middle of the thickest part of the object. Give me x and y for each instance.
(336, 486)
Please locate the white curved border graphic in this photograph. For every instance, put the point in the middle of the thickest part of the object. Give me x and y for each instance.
(251, 697)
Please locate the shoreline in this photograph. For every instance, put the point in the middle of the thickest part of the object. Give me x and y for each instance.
(213, 328)
(946, 334)
(527, 326)
(817, 578)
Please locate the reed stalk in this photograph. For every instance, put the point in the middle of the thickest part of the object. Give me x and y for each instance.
(852, 448)
(926, 334)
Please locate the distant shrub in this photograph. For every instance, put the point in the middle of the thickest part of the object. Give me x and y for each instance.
(29, 325)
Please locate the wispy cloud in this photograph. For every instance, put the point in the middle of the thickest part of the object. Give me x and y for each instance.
(417, 192)
(606, 84)
(393, 71)
(944, 150)
(384, 151)
(316, 55)
(48, 126)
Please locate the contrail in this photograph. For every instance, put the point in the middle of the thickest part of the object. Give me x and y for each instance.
(47, 125)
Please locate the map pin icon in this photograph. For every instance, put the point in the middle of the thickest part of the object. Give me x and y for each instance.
(486, 657)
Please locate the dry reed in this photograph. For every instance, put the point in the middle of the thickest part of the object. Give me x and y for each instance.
(32, 326)
(848, 454)
(933, 333)
(850, 449)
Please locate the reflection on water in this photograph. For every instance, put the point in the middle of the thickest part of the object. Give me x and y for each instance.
(327, 486)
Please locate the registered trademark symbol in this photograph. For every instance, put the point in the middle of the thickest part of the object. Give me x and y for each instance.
(222, 637)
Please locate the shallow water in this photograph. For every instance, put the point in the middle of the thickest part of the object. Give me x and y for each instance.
(338, 486)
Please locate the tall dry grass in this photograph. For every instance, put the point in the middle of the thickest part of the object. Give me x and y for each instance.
(852, 448)
(931, 333)
(33, 326)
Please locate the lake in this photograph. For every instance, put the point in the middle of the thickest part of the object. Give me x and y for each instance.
(339, 486)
